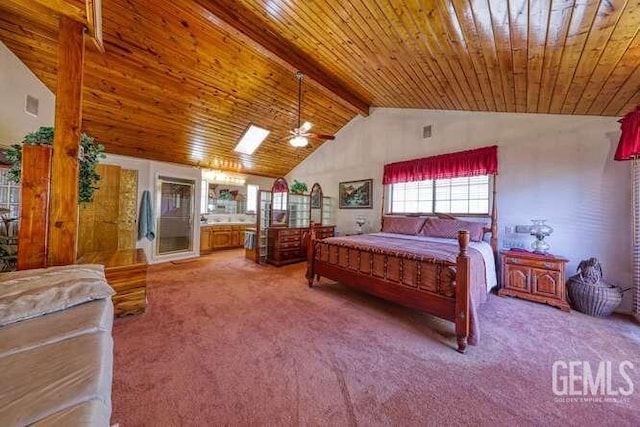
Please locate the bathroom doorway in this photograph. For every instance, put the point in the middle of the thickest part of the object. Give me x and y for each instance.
(176, 197)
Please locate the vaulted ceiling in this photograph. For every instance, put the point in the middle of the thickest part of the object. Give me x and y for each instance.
(180, 80)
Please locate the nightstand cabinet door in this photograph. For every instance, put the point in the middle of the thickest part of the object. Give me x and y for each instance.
(547, 283)
(517, 277)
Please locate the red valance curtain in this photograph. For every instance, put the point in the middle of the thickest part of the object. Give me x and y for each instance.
(629, 145)
(481, 161)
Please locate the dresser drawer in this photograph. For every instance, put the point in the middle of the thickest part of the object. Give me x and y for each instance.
(290, 232)
(291, 238)
(289, 254)
(545, 264)
(289, 245)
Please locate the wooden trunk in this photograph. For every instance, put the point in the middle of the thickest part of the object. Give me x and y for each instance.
(126, 273)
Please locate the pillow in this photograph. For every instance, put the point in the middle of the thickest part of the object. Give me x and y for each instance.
(402, 224)
(31, 293)
(448, 228)
(444, 216)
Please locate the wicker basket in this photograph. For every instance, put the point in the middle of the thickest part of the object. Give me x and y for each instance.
(595, 299)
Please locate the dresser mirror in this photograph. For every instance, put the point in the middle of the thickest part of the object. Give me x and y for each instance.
(279, 203)
(316, 204)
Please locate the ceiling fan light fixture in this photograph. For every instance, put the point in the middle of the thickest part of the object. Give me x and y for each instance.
(299, 141)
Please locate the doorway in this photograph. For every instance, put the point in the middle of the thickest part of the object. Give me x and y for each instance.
(175, 215)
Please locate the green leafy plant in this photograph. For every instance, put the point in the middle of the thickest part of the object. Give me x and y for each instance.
(90, 155)
(225, 195)
(298, 187)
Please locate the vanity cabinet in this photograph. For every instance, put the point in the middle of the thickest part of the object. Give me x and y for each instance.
(218, 237)
(205, 239)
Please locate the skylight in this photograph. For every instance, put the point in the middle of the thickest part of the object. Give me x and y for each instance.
(251, 139)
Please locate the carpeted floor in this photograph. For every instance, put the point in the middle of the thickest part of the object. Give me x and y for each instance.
(228, 342)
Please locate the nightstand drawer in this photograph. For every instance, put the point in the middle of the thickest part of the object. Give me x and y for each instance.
(545, 264)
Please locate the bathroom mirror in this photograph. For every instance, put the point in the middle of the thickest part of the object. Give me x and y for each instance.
(316, 204)
(279, 203)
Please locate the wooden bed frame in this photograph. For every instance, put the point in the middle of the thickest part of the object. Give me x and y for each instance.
(455, 308)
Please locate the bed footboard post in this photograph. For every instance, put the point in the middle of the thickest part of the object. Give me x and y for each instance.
(463, 279)
(311, 245)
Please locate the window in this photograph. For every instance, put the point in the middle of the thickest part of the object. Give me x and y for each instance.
(252, 198)
(464, 195)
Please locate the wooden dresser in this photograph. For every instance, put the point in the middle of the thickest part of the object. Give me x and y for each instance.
(534, 277)
(286, 245)
(126, 273)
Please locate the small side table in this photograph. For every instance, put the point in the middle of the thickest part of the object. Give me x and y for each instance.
(539, 278)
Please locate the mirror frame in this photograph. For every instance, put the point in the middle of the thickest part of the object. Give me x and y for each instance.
(315, 187)
(279, 184)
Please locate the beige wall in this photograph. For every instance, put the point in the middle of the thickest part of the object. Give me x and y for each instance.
(551, 166)
(16, 81)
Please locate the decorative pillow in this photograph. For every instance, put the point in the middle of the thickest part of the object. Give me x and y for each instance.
(448, 228)
(402, 224)
(31, 293)
(444, 216)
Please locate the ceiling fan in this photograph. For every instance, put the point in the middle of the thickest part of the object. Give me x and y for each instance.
(300, 136)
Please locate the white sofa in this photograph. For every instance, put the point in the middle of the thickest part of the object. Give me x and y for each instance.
(56, 368)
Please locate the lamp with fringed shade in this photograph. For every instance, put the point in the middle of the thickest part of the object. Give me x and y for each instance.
(629, 149)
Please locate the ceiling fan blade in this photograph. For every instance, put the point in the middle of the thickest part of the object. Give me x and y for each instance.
(319, 136)
(306, 126)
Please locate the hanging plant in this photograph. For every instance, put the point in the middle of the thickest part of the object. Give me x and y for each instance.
(90, 155)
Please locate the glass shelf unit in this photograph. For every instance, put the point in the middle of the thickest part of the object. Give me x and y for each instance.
(9, 195)
(299, 210)
(264, 206)
(327, 211)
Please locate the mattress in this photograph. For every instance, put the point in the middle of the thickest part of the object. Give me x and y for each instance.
(57, 368)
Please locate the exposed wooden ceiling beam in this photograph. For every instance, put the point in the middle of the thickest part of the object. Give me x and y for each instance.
(240, 22)
(86, 12)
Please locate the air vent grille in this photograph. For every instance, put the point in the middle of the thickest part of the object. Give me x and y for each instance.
(31, 106)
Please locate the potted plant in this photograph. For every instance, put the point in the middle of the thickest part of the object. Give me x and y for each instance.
(298, 187)
(90, 155)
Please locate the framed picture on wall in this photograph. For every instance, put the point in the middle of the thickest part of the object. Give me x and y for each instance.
(356, 194)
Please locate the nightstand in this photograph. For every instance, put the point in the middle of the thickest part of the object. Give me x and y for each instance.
(539, 278)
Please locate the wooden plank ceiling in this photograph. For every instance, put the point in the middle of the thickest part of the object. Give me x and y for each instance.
(180, 80)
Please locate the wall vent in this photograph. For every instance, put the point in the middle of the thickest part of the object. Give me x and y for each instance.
(31, 106)
(426, 132)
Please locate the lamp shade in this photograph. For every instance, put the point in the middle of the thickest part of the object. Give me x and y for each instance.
(629, 145)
